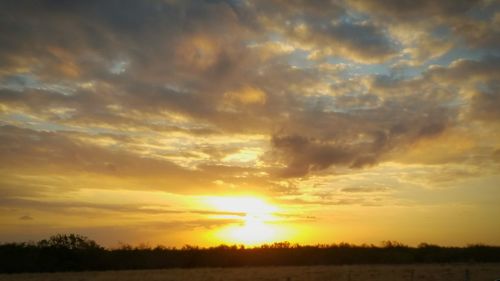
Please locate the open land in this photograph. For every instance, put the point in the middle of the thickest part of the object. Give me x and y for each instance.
(435, 272)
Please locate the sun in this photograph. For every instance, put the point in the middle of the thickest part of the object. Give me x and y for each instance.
(257, 217)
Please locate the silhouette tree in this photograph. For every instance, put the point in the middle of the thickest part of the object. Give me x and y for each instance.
(69, 241)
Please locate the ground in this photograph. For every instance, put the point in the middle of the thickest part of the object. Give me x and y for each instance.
(444, 272)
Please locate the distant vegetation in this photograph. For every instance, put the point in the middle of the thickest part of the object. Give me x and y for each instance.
(77, 253)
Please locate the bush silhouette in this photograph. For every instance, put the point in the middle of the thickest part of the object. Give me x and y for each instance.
(73, 252)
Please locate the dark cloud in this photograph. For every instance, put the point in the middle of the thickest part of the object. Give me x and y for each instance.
(448, 24)
(412, 11)
(87, 35)
(360, 137)
(482, 76)
(481, 34)
(302, 8)
(303, 155)
(363, 101)
(26, 218)
(485, 103)
(496, 155)
(360, 42)
(322, 27)
(484, 69)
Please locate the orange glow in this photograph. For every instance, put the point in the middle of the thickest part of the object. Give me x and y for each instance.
(257, 225)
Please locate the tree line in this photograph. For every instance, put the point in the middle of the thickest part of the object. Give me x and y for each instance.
(72, 252)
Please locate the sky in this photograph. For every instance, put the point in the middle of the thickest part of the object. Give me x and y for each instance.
(249, 122)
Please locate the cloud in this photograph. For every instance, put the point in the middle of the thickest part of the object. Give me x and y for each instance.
(413, 11)
(394, 116)
(246, 95)
(364, 189)
(372, 202)
(448, 25)
(463, 70)
(55, 150)
(485, 103)
(158, 95)
(359, 42)
(218, 213)
(26, 218)
(359, 138)
(99, 29)
(496, 155)
(356, 129)
(303, 155)
(321, 28)
(75, 207)
(80, 208)
(44, 153)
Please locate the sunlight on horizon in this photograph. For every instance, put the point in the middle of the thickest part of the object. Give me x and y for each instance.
(258, 220)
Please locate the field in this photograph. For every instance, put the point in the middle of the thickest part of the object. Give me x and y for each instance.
(446, 272)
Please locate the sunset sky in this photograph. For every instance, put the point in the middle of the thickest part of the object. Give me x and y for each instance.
(248, 122)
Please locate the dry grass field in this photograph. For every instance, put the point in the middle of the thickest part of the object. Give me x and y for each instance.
(446, 272)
